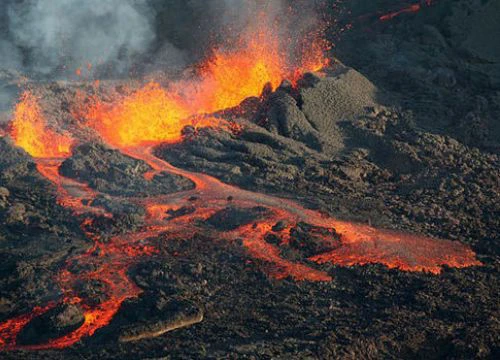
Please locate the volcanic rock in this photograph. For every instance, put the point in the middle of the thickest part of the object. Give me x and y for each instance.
(436, 64)
(285, 118)
(232, 218)
(52, 324)
(312, 240)
(111, 172)
(93, 291)
(119, 206)
(473, 28)
(4, 195)
(236, 158)
(279, 226)
(151, 275)
(15, 162)
(185, 210)
(169, 315)
(16, 214)
(302, 131)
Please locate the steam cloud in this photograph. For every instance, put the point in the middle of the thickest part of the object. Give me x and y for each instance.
(50, 39)
(64, 33)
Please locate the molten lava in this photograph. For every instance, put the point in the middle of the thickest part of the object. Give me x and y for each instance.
(149, 115)
(229, 77)
(413, 8)
(152, 115)
(29, 130)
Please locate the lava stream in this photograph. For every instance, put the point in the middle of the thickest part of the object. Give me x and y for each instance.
(413, 8)
(360, 244)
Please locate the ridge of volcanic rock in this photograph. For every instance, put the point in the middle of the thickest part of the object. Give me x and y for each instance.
(109, 171)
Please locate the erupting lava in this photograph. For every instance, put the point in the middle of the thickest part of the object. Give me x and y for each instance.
(153, 115)
(229, 77)
(149, 115)
(30, 131)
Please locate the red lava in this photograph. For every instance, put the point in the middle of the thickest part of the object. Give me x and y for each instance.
(409, 9)
(359, 244)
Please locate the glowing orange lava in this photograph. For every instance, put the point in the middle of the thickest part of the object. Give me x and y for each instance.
(154, 114)
(229, 77)
(29, 130)
(149, 115)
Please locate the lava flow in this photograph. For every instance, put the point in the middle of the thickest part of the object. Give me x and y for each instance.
(49, 149)
(153, 115)
(413, 8)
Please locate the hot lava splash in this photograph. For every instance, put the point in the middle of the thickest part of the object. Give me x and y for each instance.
(134, 124)
(30, 131)
(155, 114)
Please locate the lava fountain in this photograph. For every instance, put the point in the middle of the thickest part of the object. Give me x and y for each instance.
(154, 114)
(29, 130)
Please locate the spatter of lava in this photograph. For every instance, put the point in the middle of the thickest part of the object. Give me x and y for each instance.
(30, 132)
(153, 115)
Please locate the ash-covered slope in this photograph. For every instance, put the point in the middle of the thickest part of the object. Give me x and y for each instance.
(442, 63)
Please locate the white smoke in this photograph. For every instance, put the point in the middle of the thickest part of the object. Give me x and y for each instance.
(50, 39)
(68, 33)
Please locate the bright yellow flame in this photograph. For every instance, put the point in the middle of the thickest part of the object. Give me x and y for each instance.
(29, 131)
(154, 114)
(149, 115)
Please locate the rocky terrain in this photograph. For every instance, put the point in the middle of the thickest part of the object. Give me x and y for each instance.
(401, 132)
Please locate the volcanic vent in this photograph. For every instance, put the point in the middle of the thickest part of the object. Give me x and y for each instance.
(162, 179)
